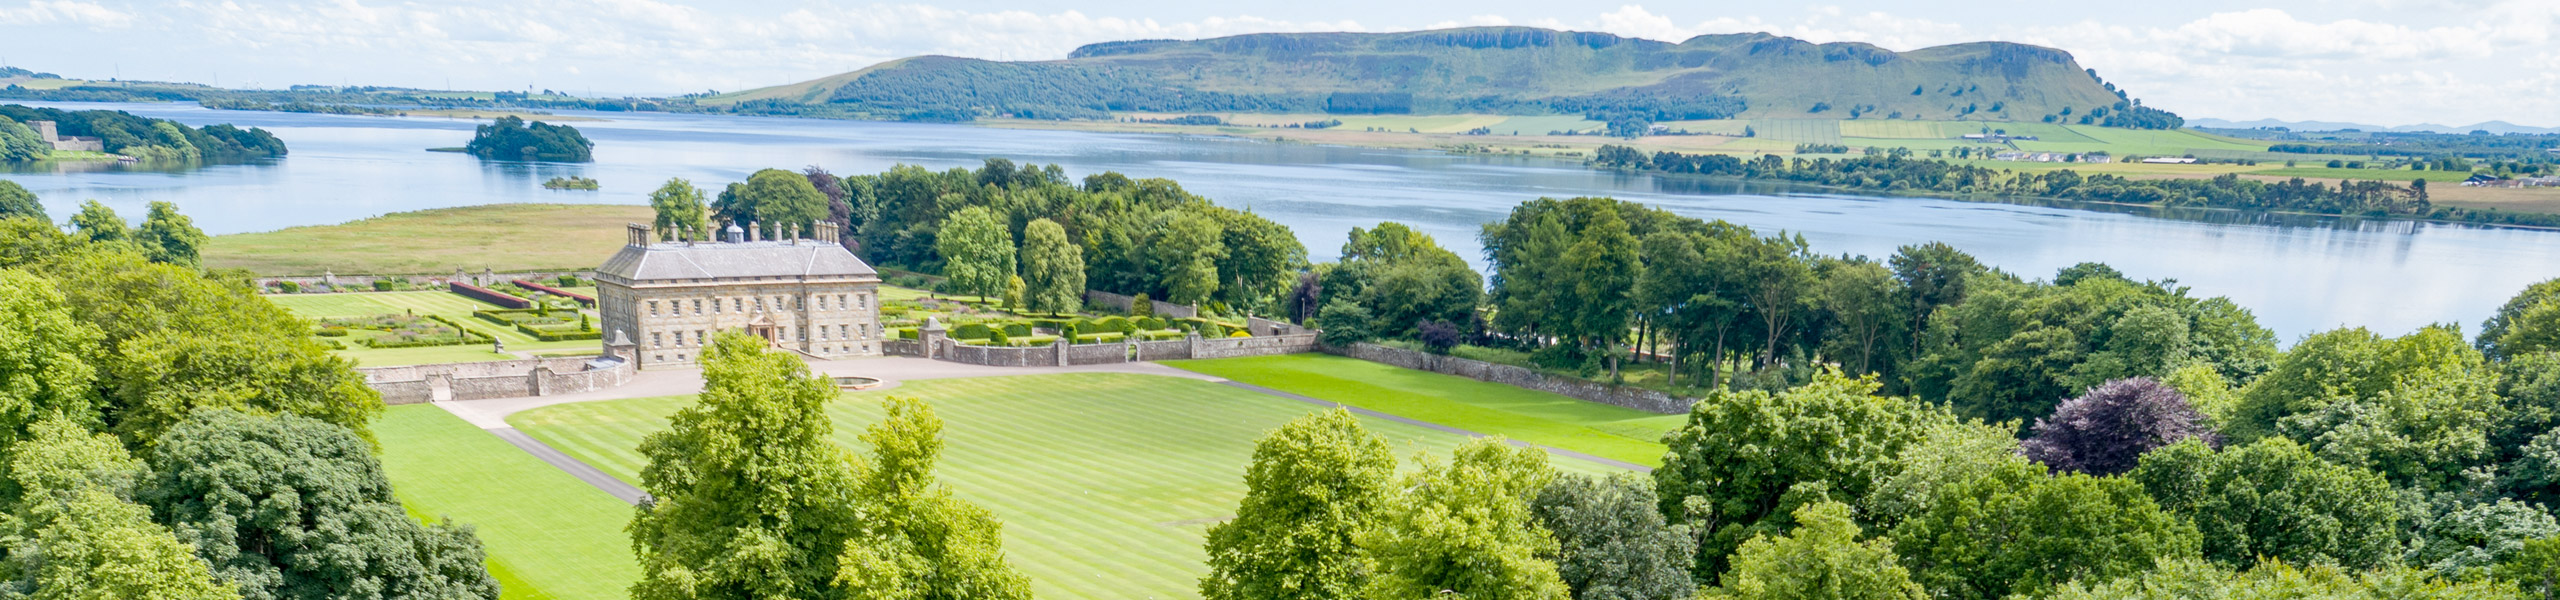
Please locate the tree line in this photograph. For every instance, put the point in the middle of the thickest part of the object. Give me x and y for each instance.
(1896, 171)
(986, 227)
(167, 433)
(1864, 422)
(124, 133)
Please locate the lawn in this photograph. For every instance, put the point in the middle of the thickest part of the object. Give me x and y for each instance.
(448, 304)
(548, 535)
(1490, 408)
(505, 237)
(1106, 482)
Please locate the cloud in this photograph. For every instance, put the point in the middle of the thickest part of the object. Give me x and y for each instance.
(44, 12)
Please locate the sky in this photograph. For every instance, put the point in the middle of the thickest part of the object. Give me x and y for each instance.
(2382, 62)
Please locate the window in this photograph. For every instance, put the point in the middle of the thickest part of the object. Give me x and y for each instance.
(654, 340)
(697, 306)
(759, 304)
(653, 308)
(737, 305)
(844, 331)
(822, 334)
(866, 331)
(862, 301)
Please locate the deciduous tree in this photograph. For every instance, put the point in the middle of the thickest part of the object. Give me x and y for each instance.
(76, 533)
(1465, 528)
(1313, 485)
(17, 202)
(2275, 500)
(1615, 544)
(680, 212)
(1820, 559)
(977, 252)
(2106, 429)
(1052, 268)
(2019, 531)
(918, 541)
(99, 223)
(748, 496)
(293, 508)
(169, 237)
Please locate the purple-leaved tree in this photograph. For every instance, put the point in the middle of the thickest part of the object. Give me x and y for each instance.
(2106, 429)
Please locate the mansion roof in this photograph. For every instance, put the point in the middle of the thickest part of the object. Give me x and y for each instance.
(700, 261)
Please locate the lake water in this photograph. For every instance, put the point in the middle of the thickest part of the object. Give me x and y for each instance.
(2299, 274)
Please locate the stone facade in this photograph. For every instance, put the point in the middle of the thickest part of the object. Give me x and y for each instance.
(809, 296)
(46, 132)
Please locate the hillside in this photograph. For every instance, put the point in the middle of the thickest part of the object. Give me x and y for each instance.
(1497, 70)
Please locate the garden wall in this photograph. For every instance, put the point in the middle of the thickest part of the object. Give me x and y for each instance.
(1253, 346)
(1164, 350)
(497, 379)
(364, 283)
(1615, 395)
(1098, 354)
(1164, 310)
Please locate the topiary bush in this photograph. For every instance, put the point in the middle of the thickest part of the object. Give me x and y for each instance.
(971, 331)
(1017, 329)
(382, 285)
(998, 338)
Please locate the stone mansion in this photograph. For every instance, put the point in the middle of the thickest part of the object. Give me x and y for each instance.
(661, 302)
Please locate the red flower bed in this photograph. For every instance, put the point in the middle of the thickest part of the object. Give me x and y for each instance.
(583, 299)
(485, 295)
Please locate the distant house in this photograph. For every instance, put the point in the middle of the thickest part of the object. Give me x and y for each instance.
(2168, 160)
(45, 131)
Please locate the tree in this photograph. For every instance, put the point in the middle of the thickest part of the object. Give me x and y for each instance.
(17, 202)
(749, 498)
(45, 368)
(98, 223)
(1821, 559)
(1052, 268)
(1343, 323)
(509, 138)
(24, 241)
(1260, 257)
(1933, 275)
(169, 237)
(2191, 579)
(977, 252)
(2106, 430)
(2275, 500)
(774, 200)
(1313, 485)
(165, 375)
(1604, 270)
(920, 542)
(681, 214)
(2419, 408)
(2019, 531)
(2513, 316)
(1465, 528)
(2469, 542)
(1013, 291)
(1615, 543)
(1403, 277)
(1747, 460)
(1780, 286)
(1863, 300)
(2535, 567)
(75, 532)
(1186, 255)
(293, 508)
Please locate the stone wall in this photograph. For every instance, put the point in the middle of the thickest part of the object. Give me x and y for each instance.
(997, 356)
(899, 347)
(1614, 395)
(496, 379)
(1164, 310)
(1098, 354)
(362, 282)
(1164, 350)
(1253, 346)
(1262, 326)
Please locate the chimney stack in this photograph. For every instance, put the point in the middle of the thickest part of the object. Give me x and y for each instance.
(638, 235)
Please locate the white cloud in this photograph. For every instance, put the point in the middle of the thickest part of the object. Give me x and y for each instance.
(45, 12)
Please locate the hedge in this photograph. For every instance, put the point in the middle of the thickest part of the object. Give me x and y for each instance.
(583, 299)
(1017, 329)
(971, 331)
(1101, 338)
(486, 295)
(906, 333)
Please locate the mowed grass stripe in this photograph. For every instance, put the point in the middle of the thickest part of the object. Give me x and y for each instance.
(1489, 408)
(1107, 483)
(547, 534)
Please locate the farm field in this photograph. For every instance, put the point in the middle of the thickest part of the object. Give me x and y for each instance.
(2391, 175)
(1489, 408)
(548, 535)
(1106, 483)
(447, 304)
(504, 237)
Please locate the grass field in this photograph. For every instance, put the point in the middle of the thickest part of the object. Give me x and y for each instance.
(505, 237)
(548, 535)
(1106, 482)
(1817, 131)
(2391, 175)
(458, 308)
(1490, 408)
